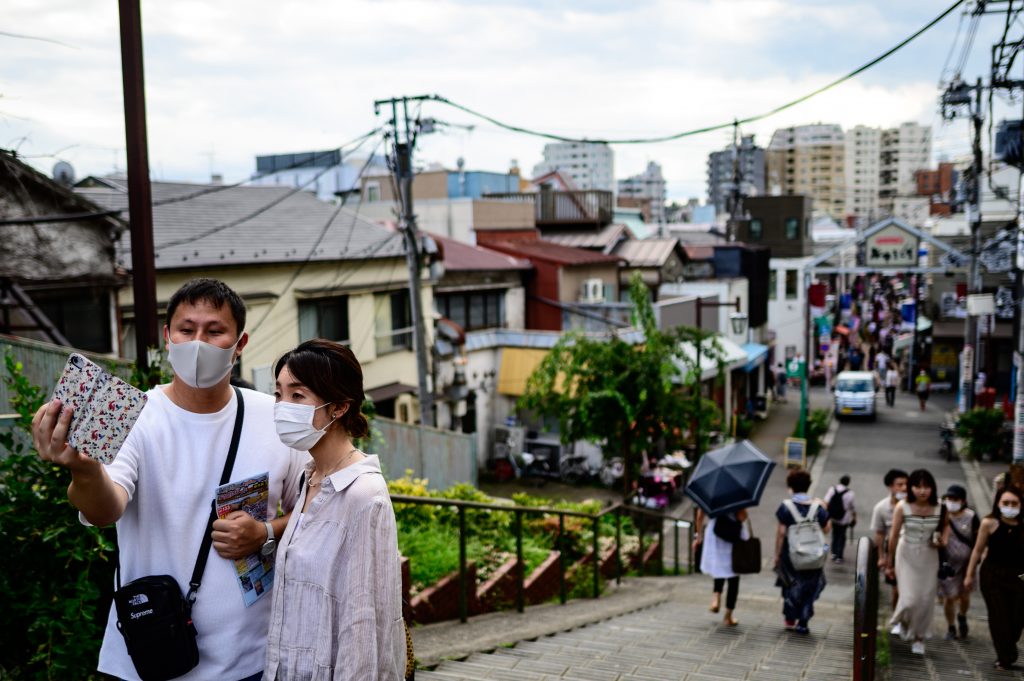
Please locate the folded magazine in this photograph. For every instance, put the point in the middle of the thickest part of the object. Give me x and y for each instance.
(255, 572)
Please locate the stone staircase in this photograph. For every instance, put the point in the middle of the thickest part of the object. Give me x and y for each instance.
(677, 640)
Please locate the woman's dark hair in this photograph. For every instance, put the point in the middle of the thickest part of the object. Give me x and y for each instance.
(1012, 489)
(798, 480)
(922, 477)
(331, 371)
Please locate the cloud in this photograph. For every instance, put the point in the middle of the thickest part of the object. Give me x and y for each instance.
(236, 79)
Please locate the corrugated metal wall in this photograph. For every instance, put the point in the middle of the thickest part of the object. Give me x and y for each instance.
(444, 457)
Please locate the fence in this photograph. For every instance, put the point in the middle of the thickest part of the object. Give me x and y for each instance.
(865, 611)
(618, 509)
(443, 457)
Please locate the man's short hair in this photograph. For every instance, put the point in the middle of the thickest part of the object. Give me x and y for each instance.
(212, 291)
(845, 480)
(893, 475)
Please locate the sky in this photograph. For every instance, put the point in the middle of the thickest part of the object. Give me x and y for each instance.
(227, 81)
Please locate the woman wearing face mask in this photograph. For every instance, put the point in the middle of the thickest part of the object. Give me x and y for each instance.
(1001, 545)
(337, 610)
(914, 540)
(963, 530)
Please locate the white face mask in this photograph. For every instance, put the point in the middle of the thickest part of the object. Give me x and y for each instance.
(1010, 511)
(294, 424)
(200, 364)
(900, 496)
(953, 506)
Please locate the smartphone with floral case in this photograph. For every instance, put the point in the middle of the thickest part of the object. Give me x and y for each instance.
(105, 408)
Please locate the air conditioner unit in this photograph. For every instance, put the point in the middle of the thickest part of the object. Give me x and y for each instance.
(592, 291)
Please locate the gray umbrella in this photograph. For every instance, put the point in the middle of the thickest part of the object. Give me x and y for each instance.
(730, 478)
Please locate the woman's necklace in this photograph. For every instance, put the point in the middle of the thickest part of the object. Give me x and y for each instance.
(336, 467)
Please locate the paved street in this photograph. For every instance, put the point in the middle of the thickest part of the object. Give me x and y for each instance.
(673, 636)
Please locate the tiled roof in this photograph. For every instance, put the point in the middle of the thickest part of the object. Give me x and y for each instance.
(462, 257)
(647, 252)
(286, 232)
(554, 253)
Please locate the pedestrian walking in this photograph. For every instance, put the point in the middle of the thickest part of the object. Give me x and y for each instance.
(881, 362)
(769, 383)
(963, 531)
(716, 543)
(881, 523)
(892, 381)
(1001, 546)
(842, 511)
(800, 551)
(916, 535)
(780, 382)
(923, 385)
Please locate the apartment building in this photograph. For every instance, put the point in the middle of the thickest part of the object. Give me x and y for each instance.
(590, 165)
(810, 159)
(646, 189)
(862, 174)
(902, 152)
(721, 171)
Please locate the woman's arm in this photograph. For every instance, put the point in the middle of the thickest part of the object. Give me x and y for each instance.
(979, 550)
(780, 536)
(894, 538)
(944, 537)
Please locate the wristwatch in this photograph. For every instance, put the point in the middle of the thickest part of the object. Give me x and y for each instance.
(270, 545)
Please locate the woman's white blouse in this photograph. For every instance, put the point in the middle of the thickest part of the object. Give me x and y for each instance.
(337, 610)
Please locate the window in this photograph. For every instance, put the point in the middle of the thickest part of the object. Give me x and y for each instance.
(773, 285)
(474, 311)
(392, 322)
(373, 191)
(792, 228)
(82, 316)
(791, 284)
(324, 318)
(756, 229)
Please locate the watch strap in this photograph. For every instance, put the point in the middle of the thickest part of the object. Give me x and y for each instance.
(270, 530)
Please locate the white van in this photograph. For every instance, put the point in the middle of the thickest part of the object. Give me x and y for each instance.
(855, 393)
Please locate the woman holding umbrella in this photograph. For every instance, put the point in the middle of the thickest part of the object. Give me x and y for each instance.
(716, 556)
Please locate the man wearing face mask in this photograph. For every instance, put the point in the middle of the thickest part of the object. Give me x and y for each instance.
(160, 487)
(881, 521)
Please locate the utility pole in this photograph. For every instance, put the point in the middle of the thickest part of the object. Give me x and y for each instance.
(403, 142)
(972, 336)
(736, 204)
(140, 199)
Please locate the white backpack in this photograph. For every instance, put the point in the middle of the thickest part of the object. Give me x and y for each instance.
(807, 550)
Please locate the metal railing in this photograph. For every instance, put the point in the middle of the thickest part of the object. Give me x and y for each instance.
(865, 611)
(577, 207)
(618, 509)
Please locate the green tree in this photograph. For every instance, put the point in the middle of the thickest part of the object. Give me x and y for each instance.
(627, 397)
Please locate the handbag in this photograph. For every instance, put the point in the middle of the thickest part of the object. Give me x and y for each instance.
(153, 616)
(727, 528)
(746, 554)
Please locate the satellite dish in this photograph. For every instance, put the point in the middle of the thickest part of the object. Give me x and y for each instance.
(64, 173)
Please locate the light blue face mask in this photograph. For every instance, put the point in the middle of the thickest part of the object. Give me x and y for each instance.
(801, 498)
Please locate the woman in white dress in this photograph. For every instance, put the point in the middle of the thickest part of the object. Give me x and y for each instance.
(716, 557)
(914, 540)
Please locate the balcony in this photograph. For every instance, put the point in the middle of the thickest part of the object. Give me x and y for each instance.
(591, 207)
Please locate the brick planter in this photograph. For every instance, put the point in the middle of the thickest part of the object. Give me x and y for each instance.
(498, 592)
(542, 584)
(441, 601)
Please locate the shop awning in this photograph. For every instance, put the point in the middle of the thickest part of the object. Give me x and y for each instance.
(733, 357)
(516, 366)
(756, 355)
(389, 391)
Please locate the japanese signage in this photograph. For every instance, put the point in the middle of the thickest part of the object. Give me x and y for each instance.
(891, 246)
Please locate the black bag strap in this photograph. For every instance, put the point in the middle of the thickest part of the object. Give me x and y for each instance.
(204, 550)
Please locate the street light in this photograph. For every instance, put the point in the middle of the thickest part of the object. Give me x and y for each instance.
(739, 326)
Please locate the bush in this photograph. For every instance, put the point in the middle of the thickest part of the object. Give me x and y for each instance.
(818, 421)
(983, 431)
(57, 576)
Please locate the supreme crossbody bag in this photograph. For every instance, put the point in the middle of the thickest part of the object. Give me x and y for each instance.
(153, 616)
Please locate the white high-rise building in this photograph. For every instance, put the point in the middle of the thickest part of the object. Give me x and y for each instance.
(648, 185)
(902, 152)
(590, 165)
(862, 173)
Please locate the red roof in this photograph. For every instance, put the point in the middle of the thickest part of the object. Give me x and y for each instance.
(462, 257)
(554, 253)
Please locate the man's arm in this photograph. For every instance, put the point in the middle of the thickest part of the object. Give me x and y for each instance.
(100, 500)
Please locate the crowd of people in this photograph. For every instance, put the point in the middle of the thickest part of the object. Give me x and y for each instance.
(334, 609)
(929, 551)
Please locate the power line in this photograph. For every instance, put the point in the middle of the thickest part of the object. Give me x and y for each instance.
(23, 36)
(710, 128)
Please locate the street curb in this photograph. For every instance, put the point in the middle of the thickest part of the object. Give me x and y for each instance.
(977, 484)
(818, 467)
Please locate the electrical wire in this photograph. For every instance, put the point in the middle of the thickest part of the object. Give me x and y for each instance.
(256, 213)
(952, 49)
(719, 126)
